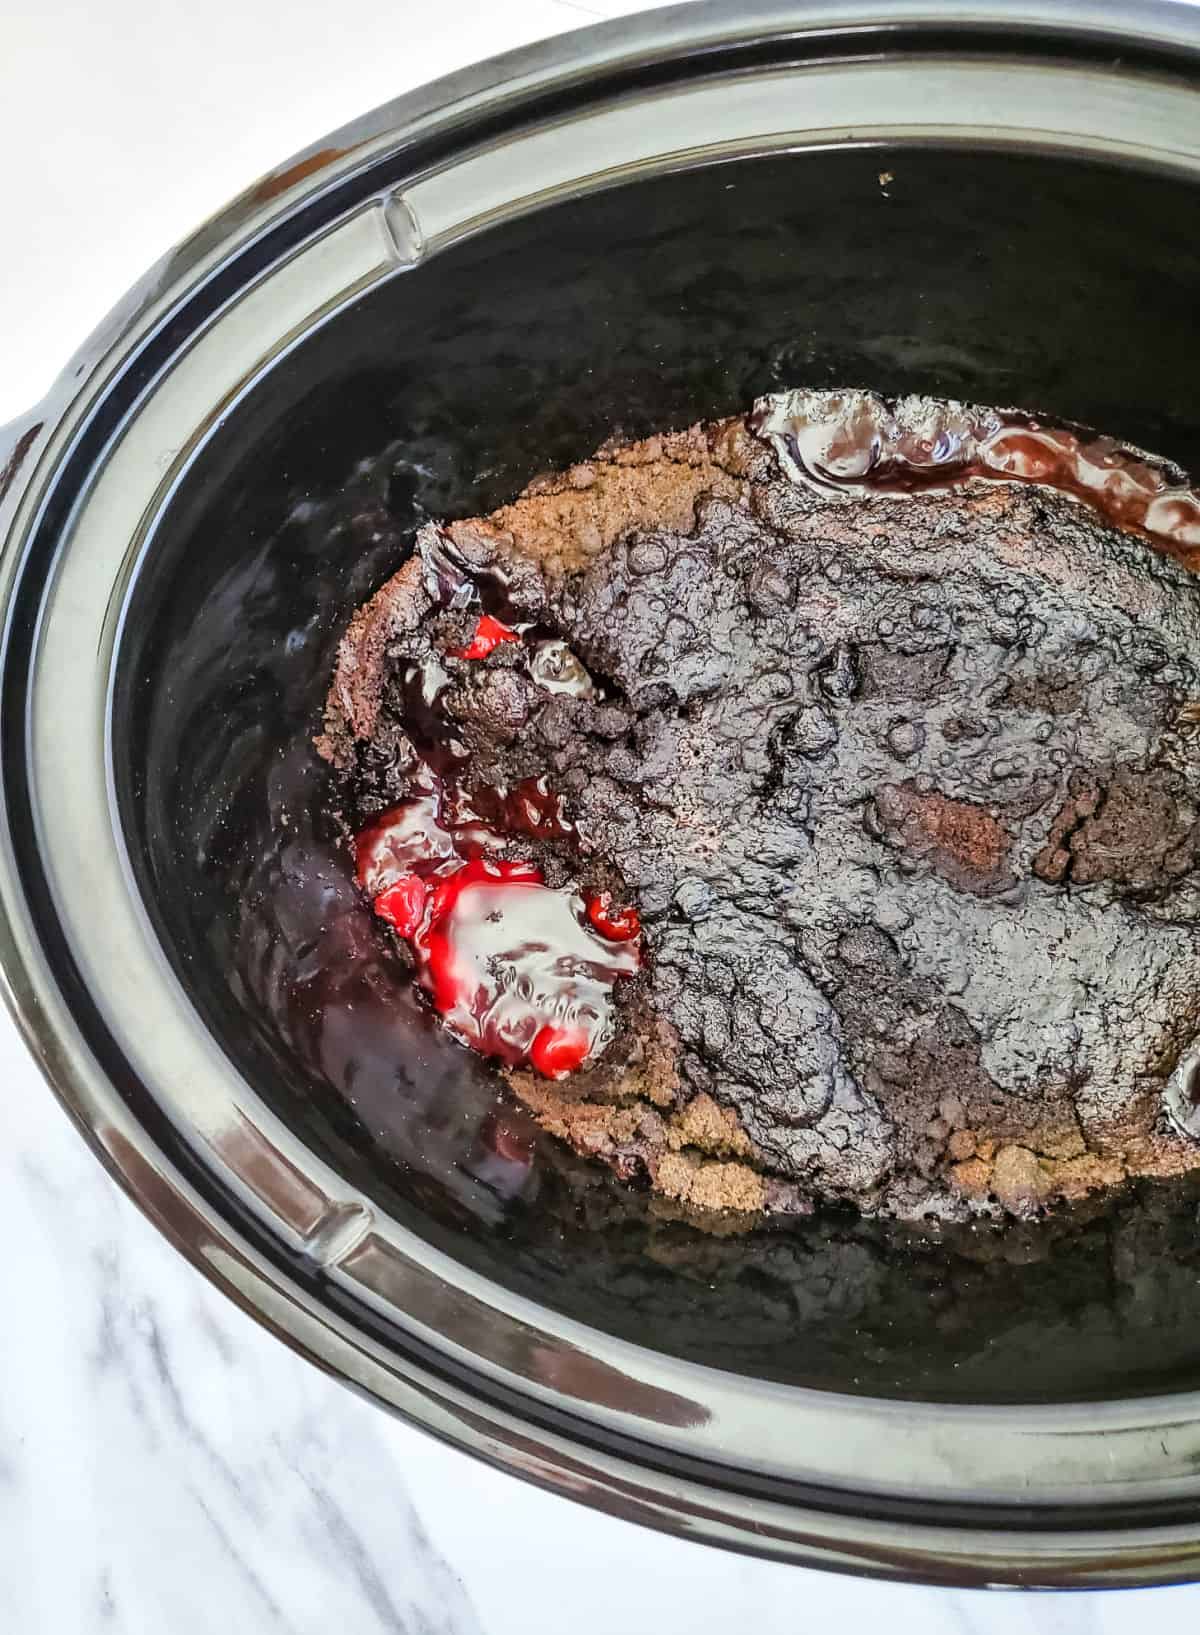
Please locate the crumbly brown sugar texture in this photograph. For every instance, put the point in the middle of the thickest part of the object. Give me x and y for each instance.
(905, 789)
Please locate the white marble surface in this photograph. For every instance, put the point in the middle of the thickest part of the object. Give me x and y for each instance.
(168, 1468)
(165, 1466)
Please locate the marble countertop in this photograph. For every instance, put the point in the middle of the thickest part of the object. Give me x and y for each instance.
(165, 1465)
(169, 1468)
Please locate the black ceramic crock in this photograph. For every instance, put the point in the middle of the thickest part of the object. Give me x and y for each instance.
(636, 226)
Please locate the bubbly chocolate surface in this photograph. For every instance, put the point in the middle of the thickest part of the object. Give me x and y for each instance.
(895, 762)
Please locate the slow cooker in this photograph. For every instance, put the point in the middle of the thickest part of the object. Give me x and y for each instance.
(643, 224)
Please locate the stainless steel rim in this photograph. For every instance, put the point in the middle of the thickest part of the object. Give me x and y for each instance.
(1082, 1494)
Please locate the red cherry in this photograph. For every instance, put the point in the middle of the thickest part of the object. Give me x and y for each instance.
(555, 1052)
(407, 839)
(617, 924)
(403, 905)
(489, 633)
(501, 955)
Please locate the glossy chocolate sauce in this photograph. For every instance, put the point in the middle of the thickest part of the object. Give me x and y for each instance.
(857, 443)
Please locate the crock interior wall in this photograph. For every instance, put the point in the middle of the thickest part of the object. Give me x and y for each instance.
(1054, 284)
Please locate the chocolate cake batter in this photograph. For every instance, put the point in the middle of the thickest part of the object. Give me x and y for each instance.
(849, 798)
